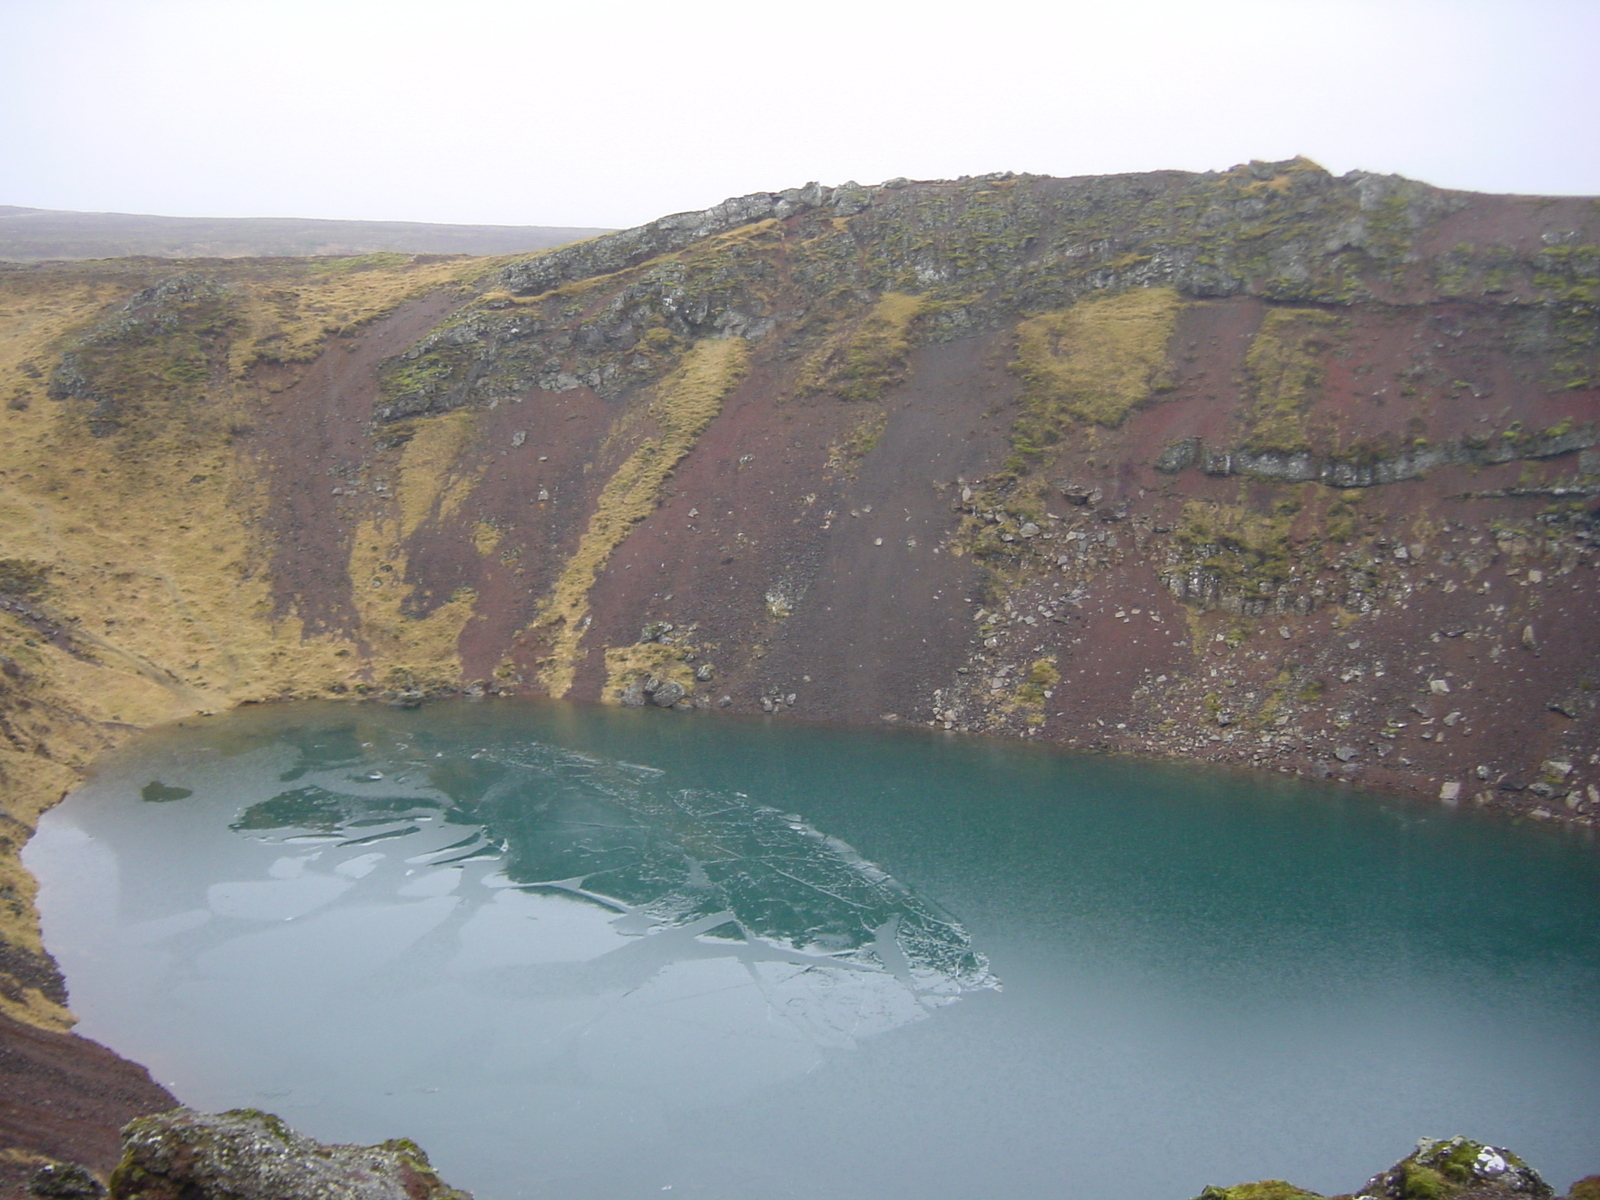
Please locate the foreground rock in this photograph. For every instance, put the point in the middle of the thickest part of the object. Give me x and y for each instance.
(1455, 1168)
(250, 1155)
(1261, 1189)
(1447, 1167)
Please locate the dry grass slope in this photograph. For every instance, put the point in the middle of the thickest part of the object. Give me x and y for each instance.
(1098, 360)
(684, 404)
(140, 552)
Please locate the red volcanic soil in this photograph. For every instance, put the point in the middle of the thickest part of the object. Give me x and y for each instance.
(314, 436)
(64, 1097)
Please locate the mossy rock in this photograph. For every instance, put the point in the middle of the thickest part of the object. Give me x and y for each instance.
(1441, 1168)
(65, 1181)
(247, 1154)
(1261, 1189)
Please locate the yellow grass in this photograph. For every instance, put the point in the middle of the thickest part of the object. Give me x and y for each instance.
(287, 319)
(415, 651)
(486, 538)
(429, 485)
(1098, 360)
(863, 360)
(626, 664)
(684, 404)
(149, 544)
(1284, 369)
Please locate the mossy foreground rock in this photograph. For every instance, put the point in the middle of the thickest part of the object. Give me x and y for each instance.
(1454, 1168)
(1441, 1169)
(250, 1155)
(1262, 1189)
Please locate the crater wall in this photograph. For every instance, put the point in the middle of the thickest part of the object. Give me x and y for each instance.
(1261, 467)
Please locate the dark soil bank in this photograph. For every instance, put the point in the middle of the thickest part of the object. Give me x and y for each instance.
(64, 1097)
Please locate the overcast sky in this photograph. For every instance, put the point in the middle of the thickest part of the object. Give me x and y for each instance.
(559, 113)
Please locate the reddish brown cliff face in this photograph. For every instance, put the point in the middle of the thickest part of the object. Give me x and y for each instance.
(1277, 470)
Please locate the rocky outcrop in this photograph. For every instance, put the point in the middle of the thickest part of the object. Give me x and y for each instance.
(984, 250)
(629, 247)
(249, 1155)
(1373, 466)
(1443, 1168)
(1455, 1168)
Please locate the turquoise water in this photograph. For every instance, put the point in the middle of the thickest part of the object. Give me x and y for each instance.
(613, 953)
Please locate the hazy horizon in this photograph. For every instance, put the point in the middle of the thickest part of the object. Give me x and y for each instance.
(83, 212)
(506, 113)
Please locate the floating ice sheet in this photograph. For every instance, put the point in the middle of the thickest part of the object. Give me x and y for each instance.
(839, 948)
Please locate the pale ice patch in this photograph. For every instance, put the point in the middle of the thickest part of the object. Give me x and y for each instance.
(520, 929)
(148, 933)
(277, 899)
(433, 883)
(360, 866)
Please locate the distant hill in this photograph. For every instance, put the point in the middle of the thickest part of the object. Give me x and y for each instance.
(42, 234)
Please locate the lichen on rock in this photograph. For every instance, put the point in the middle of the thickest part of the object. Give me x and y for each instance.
(1439, 1169)
(1442, 1168)
(246, 1154)
(1262, 1189)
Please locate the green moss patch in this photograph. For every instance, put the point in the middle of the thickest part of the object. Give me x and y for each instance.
(1262, 1189)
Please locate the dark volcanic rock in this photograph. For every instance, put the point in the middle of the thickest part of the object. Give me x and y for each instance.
(249, 1155)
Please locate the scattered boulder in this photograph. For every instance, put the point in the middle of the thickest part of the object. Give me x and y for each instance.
(1443, 1168)
(664, 693)
(1084, 495)
(65, 1181)
(246, 1154)
(1179, 456)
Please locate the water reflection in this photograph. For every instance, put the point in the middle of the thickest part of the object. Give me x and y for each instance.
(557, 856)
(490, 927)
